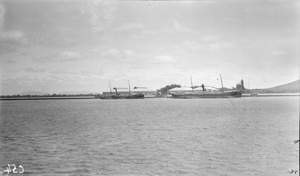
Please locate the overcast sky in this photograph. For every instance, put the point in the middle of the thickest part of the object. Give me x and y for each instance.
(80, 45)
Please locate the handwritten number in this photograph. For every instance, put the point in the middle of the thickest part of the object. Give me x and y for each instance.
(14, 169)
(20, 166)
(8, 170)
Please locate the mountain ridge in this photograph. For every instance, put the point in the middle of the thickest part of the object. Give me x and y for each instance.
(292, 87)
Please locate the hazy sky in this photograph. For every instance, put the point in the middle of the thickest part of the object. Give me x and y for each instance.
(79, 45)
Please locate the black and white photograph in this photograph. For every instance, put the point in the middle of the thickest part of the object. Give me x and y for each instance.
(149, 87)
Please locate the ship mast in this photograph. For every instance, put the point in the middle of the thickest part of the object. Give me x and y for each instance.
(129, 87)
(192, 83)
(110, 87)
(222, 83)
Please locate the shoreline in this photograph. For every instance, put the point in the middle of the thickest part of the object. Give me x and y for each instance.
(93, 97)
(271, 95)
(46, 98)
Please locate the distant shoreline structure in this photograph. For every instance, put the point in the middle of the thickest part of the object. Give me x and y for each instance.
(289, 89)
(7, 98)
(46, 97)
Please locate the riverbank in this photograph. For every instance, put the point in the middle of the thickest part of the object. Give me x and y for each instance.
(5, 98)
(271, 95)
(46, 98)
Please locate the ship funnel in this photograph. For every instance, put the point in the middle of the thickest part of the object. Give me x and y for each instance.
(242, 84)
(203, 87)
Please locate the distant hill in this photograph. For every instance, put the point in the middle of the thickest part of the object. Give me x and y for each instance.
(293, 87)
(34, 93)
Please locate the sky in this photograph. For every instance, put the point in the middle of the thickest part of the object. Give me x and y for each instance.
(81, 45)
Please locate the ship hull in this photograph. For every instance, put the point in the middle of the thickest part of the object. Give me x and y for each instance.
(235, 94)
(135, 96)
(111, 97)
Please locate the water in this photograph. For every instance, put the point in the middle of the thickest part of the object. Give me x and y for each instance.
(245, 136)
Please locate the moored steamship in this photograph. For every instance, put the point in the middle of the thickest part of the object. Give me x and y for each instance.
(207, 92)
(116, 95)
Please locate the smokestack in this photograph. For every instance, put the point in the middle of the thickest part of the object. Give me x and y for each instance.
(242, 83)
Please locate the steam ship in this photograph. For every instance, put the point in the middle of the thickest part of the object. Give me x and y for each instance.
(117, 95)
(207, 92)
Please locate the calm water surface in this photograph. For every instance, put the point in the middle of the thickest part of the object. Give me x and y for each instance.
(245, 136)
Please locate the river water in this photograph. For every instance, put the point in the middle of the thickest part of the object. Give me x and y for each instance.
(243, 136)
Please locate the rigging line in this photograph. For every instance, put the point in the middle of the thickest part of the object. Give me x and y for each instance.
(231, 102)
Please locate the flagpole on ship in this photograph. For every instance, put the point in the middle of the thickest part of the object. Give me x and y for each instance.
(129, 87)
(110, 88)
(222, 83)
(192, 83)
